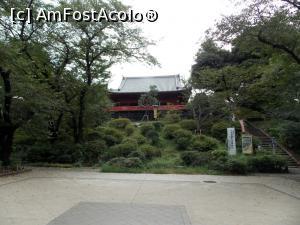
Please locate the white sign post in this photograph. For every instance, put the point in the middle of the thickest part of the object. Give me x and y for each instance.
(231, 141)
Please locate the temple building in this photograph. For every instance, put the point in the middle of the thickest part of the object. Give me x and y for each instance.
(171, 96)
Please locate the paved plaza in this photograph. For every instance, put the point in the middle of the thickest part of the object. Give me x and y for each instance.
(86, 197)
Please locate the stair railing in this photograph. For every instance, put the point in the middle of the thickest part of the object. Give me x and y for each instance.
(276, 144)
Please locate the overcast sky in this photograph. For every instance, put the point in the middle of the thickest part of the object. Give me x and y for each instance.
(178, 32)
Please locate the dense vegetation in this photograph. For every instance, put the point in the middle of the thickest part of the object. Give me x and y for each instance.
(54, 75)
(258, 79)
(54, 100)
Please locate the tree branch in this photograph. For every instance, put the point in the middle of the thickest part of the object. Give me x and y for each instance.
(279, 46)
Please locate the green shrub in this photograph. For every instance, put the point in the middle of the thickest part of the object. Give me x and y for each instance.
(183, 138)
(112, 136)
(120, 150)
(60, 152)
(188, 125)
(216, 154)
(153, 137)
(130, 140)
(194, 158)
(125, 162)
(290, 136)
(92, 151)
(268, 164)
(94, 135)
(120, 123)
(219, 130)
(169, 130)
(172, 117)
(158, 125)
(237, 165)
(150, 152)
(129, 129)
(139, 138)
(146, 127)
(219, 163)
(137, 154)
(204, 143)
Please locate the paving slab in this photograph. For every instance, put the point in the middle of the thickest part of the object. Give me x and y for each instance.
(122, 214)
(45, 196)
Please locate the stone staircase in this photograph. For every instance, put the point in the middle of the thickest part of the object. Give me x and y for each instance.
(269, 143)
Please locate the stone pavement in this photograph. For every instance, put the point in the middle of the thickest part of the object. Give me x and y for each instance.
(87, 197)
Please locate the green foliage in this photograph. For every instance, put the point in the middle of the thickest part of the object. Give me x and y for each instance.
(92, 151)
(216, 154)
(268, 164)
(169, 130)
(188, 125)
(150, 152)
(219, 130)
(130, 140)
(146, 127)
(194, 158)
(182, 138)
(120, 150)
(140, 139)
(137, 154)
(149, 98)
(172, 117)
(120, 123)
(112, 136)
(153, 137)
(125, 162)
(158, 125)
(93, 135)
(129, 129)
(53, 153)
(237, 165)
(290, 136)
(204, 143)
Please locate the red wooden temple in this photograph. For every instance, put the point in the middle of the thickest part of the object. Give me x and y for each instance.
(171, 96)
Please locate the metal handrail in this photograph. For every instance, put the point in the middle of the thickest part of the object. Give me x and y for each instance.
(275, 142)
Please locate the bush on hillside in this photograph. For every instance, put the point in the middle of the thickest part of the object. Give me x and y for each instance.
(120, 150)
(120, 123)
(172, 117)
(112, 136)
(290, 136)
(219, 130)
(145, 128)
(268, 164)
(123, 162)
(216, 154)
(188, 125)
(139, 138)
(183, 138)
(150, 152)
(129, 129)
(237, 165)
(137, 154)
(194, 158)
(93, 135)
(91, 152)
(169, 130)
(204, 143)
(158, 125)
(130, 140)
(153, 137)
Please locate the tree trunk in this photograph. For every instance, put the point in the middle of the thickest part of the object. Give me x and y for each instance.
(6, 143)
(81, 115)
(7, 129)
